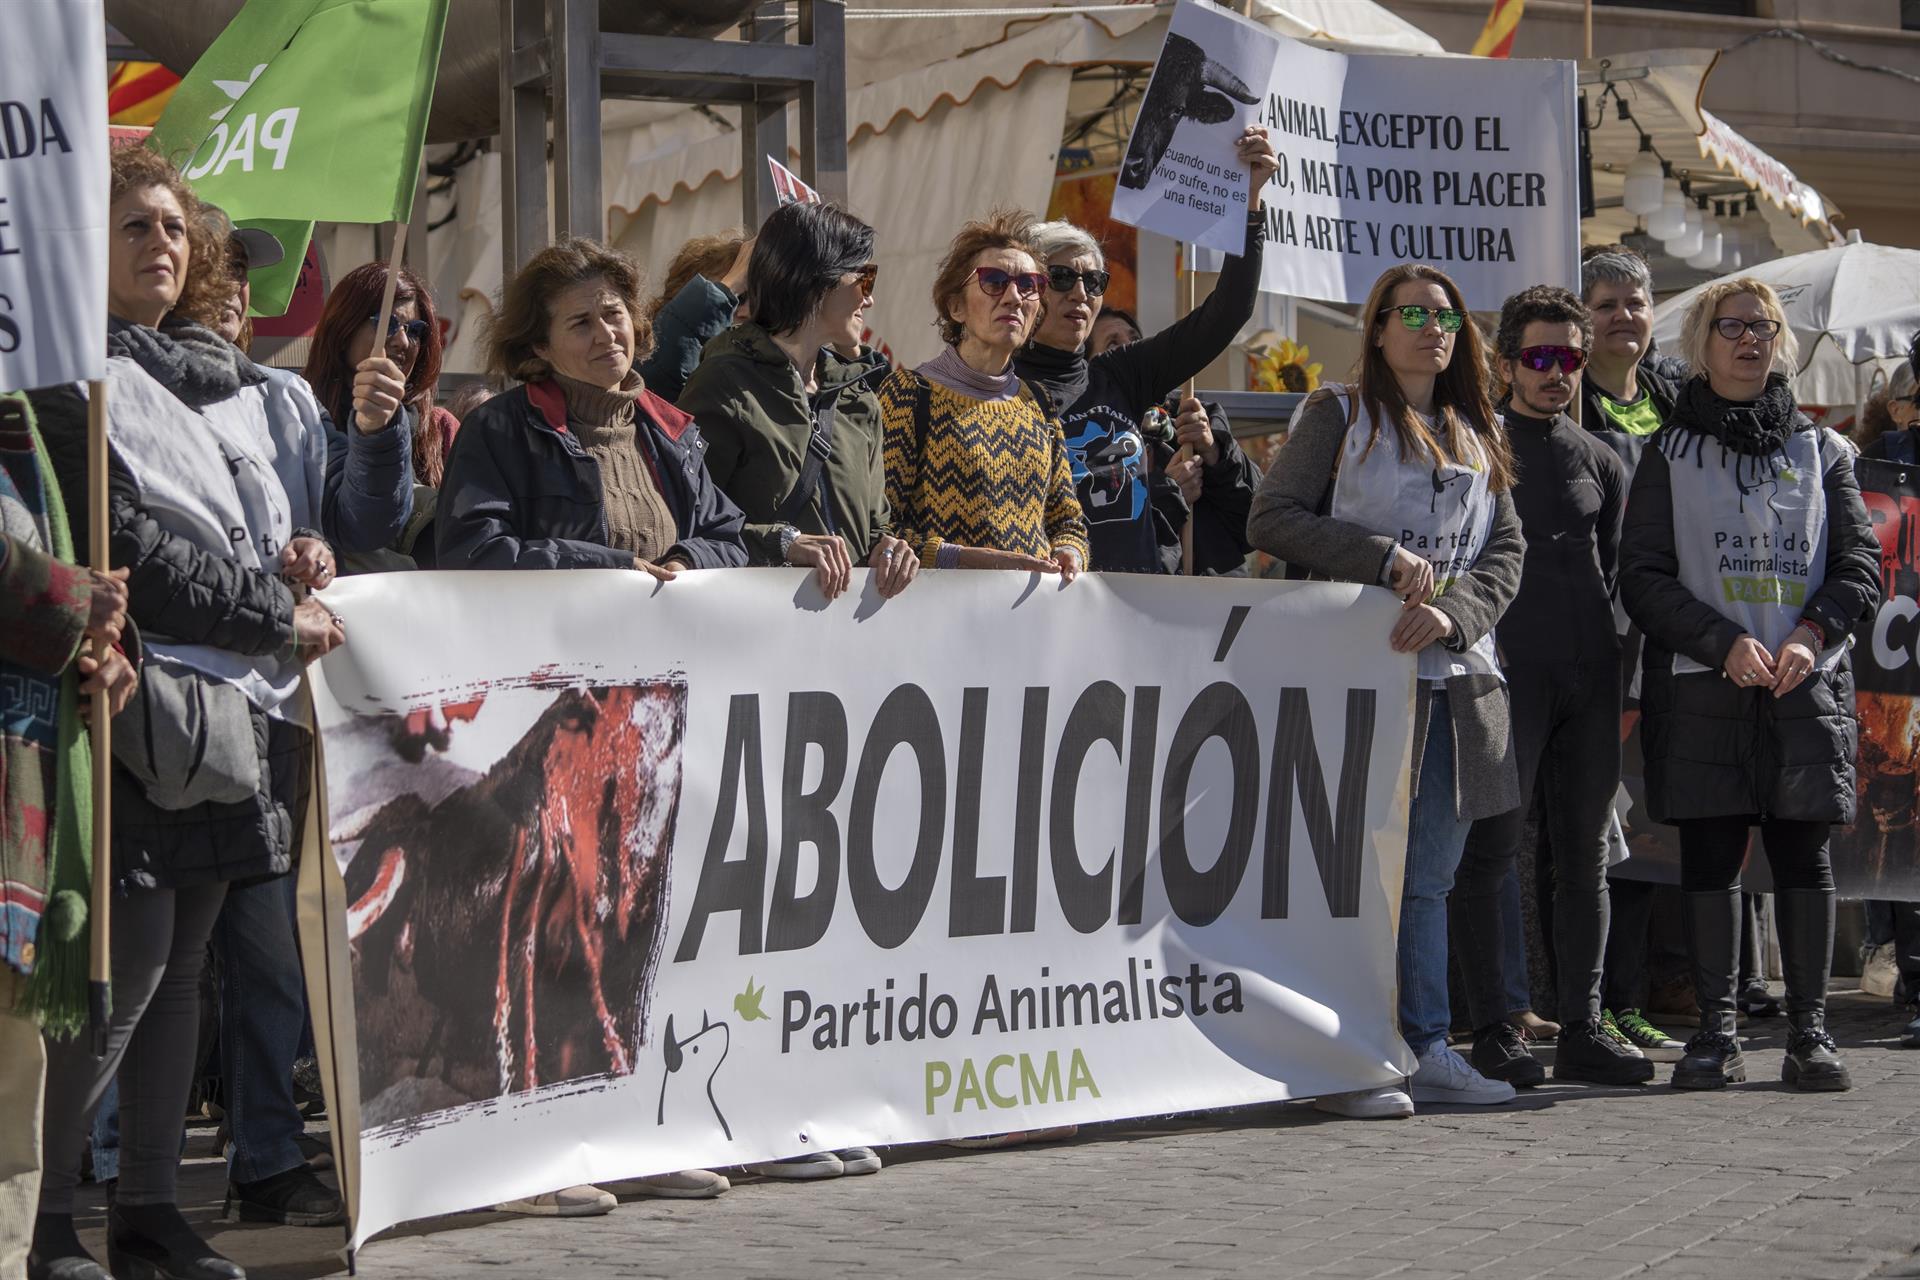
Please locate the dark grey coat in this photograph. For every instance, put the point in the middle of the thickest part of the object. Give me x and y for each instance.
(1287, 522)
(1715, 749)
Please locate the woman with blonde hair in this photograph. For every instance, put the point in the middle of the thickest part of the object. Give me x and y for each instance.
(1747, 559)
(1401, 480)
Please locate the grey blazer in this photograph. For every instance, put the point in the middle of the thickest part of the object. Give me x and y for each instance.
(1287, 523)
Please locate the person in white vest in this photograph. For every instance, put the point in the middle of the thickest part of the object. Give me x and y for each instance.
(1402, 480)
(208, 772)
(1747, 559)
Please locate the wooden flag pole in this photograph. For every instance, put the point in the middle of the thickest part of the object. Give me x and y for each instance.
(100, 954)
(394, 259)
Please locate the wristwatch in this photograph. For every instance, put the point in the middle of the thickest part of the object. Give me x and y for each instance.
(787, 534)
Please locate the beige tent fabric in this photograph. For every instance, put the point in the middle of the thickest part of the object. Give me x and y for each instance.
(916, 183)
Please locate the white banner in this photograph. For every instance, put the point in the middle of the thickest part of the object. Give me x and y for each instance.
(630, 878)
(1470, 164)
(53, 193)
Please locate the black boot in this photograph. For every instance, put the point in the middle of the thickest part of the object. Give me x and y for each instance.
(153, 1242)
(292, 1198)
(1806, 952)
(1586, 1052)
(1713, 1058)
(56, 1253)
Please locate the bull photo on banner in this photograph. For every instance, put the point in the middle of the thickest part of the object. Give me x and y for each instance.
(1470, 164)
(1879, 855)
(618, 888)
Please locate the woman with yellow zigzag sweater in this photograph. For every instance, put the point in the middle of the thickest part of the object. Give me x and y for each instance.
(977, 474)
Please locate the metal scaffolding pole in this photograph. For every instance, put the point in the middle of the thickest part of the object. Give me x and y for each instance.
(557, 65)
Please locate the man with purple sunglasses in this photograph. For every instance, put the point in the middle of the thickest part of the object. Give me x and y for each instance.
(1562, 660)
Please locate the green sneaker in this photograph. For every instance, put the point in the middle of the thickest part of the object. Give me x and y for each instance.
(1644, 1036)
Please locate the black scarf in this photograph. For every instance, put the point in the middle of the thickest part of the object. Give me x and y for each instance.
(1756, 428)
(193, 362)
(1061, 374)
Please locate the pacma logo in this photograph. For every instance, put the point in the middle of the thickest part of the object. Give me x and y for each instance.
(236, 144)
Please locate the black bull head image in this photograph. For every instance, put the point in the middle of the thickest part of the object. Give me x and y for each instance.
(514, 928)
(1187, 85)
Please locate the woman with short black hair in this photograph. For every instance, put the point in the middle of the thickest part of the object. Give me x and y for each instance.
(793, 428)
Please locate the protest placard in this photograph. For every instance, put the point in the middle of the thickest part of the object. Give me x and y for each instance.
(1469, 164)
(1181, 176)
(53, 193)
(617, 889)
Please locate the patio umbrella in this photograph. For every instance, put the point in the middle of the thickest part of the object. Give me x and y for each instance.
(1854, 308)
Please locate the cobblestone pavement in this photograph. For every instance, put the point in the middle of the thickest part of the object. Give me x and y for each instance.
(1569, 1182)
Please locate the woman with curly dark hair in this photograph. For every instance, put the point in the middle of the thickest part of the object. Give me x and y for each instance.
(209, 768)
(581, 467)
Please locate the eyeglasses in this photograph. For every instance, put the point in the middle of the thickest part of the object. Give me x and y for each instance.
(1732, 328)
(416, 329)
(994, 282)
(1416, 318)
(865, 277)
(1062, 280)
(1541, 359)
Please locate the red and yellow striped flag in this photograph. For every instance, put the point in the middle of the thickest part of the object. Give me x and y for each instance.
(138, 91)
(1496, 38)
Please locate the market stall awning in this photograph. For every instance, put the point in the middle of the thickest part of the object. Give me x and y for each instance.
(1662, 90)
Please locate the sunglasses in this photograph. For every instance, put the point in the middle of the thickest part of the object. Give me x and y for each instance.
(1733, 329)
(994, 282)
(866, 276)
(1062, 280)
(1541, 359)
(416, 329)
(1415, 317)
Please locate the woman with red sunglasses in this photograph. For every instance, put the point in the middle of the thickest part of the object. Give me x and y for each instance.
(977, 473)
(1561, 656)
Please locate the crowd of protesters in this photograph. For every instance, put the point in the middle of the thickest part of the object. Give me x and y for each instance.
(738, 419)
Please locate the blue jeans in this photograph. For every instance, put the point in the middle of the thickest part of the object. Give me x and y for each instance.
(1436, 835)
(263, 1015)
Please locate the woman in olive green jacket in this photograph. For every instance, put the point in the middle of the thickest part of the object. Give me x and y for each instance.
(792, 426)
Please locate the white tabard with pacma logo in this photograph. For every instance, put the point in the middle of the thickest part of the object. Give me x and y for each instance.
(1750, 533)
(1443, 513)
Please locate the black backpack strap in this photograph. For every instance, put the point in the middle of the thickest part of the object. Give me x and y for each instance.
(813, 468)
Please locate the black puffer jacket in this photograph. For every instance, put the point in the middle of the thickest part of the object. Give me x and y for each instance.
(521, 493)
(1713, 748)
(178, 590)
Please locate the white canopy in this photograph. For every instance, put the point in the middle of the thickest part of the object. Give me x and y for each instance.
(1663, 89)
(1854, 310)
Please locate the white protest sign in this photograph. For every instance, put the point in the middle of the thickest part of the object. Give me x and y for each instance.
(1181, 176)
(619, 887)
(1470, 164)
(53, 193)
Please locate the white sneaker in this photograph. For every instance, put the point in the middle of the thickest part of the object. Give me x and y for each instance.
(1383, 1103)
(584, 1201)
(859, 1160)
(687, 1184)
(1878, 970)
(1445, 1076)
(815, 1164)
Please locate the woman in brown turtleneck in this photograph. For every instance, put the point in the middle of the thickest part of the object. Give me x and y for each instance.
(582, 467)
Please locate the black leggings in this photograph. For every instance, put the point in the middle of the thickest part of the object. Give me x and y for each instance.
(1712, 851)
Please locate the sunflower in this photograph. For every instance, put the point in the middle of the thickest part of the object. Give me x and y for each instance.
(1282, 366)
